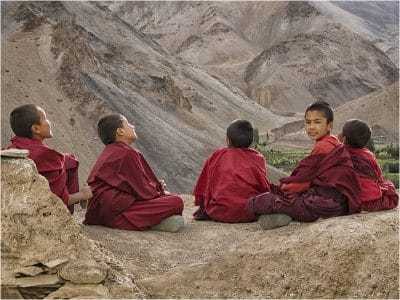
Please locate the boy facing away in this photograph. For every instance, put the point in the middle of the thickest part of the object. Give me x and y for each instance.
(376, 192)
(231, 176)
(31, 126)
(126, 193)
(322, 185)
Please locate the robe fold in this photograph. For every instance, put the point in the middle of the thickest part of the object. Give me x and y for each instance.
(322, 146)
(60, 170)
(376, 192)
(126, 192)
(230, 176)
(334, 189)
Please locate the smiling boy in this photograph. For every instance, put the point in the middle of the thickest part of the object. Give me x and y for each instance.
(322, 185)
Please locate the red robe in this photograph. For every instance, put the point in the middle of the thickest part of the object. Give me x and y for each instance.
(322, 146)
(335, 189)
(229, 178)
(126, 192)
(60, 170)
(376, 192)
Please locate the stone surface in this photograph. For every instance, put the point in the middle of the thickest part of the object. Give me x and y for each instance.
(34, 258)
(88, 271)
(14, 153)
(86, 291)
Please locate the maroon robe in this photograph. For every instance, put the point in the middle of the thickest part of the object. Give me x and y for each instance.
(376, 192)
(334, 190)
(60, 170)
(126, 192)
(229, 178)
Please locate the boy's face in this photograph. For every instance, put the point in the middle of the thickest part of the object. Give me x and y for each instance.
(43, 130)
(317, 125)
(128, 131)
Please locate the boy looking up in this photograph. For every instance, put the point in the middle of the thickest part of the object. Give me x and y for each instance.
(322, 185)
(376, 192)
(230, 177)
(126, 193)
(31, 126)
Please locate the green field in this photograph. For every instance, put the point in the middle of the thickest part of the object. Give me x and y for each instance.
(286, 160)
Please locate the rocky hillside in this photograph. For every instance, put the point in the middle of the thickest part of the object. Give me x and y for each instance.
(378, 21)
(44, 252)
(80, 61)
(281, 54)
(379, 109)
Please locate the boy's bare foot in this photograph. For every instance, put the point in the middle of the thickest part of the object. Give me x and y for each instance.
(171, 224)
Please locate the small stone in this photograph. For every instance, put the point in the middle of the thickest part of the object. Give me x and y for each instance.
(22, 153)
(84, 272)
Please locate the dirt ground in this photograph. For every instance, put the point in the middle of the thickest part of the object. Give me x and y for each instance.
(354, 256)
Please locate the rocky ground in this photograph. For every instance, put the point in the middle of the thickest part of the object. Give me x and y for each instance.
(346, 257)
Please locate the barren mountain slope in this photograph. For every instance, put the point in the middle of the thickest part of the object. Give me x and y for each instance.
(90, 62)
(378, 21)
(379, 109)
(225, 37)
(329, 64)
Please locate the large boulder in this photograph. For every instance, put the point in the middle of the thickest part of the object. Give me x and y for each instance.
(43, 251)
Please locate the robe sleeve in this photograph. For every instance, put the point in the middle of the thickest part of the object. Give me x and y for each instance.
(201, 186)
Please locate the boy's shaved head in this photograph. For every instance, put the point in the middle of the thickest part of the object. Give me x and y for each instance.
(240, 132)
(107, 127)
(323, 107)
(357, 133)
(22, 118)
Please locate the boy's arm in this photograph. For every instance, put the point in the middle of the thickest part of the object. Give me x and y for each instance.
(295, 187)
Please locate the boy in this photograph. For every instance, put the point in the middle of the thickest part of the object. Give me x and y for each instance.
(230, 177)
(126, 193)
(323, 184)
(31, 127)
(376, 192)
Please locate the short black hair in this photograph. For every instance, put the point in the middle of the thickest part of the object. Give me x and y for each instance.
(107, 127)
(241, 133)
(323, 107)
(357, 133)
(22, 118)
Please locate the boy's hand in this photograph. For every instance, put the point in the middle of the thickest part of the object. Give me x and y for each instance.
(87, 192)
(163, 184)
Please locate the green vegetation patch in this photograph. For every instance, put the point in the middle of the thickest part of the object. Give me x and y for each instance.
(388, 158)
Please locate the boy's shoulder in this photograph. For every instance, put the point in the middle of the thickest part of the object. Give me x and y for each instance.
(235, 153)
(121, 152)
(325, 145)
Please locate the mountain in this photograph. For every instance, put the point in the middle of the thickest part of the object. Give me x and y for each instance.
(283, 55)
(379, 109)
(378, 21)
(79, 62)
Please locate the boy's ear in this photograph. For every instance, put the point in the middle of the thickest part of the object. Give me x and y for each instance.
(35, 128)
(119, 131)
(228, 142)
(330, 126)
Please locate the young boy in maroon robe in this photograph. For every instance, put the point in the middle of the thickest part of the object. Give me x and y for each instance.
(31, 127)
(126, 193)
(376, 192)
(230, 177)
(323, 184)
